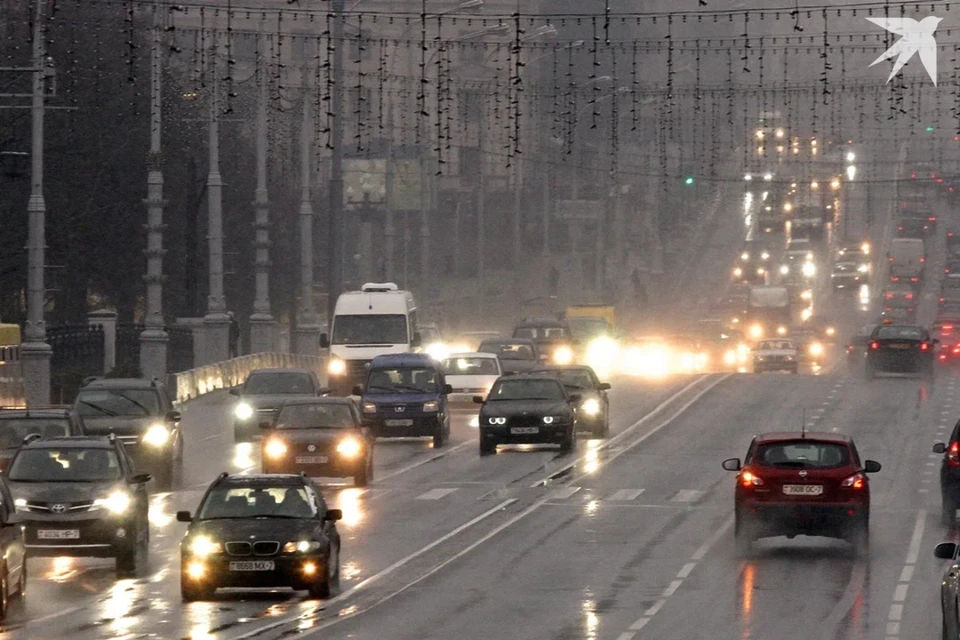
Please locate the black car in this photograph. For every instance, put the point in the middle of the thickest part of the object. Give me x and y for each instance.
(900, 348)
(912, 228)
(528, 409)
(81, 497)
(50, 422)
(142, 416)
(517, 355)
(253, 531)
(553, 338)
(593, 414)
(858, 345)
(322, 437)
(13, 570)
(263, 391)
(950, 476)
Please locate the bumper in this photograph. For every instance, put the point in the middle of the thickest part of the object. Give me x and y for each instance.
(288, 571)
(899, 363)
(950, 481)
(97, 538)
(336, 468)
(774, 365)
(834, 519)
(408, 427)
(552, 434)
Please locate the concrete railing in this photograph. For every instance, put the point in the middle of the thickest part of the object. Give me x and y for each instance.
(194, 383)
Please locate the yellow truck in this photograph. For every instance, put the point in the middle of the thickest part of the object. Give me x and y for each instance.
(589, 312)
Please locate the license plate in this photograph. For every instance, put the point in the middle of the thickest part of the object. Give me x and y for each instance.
(58, 534)
(900, 346)
(311, 459)
(253, 565)
(524, 430)
(400, 423)
(803, 489)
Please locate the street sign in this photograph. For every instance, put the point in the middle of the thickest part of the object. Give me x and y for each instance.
(578, 209)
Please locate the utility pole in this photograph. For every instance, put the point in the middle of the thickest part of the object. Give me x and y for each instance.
(425, 204)
(35, 353)
(308, 331)
(389, 231)
(481, 200)
(517, 206)
(216, 322)
(153, 339)
(262, 325)
(335, 275)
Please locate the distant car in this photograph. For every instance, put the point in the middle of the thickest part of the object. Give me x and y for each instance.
(858, 253)
(432, 340)
(648, 356)
(49, 422)
(952, 266)
(900, 348)
(950, 476)
(912, 228)
(950, 290)
(528, 409)
(848, 275)
(471, 374)
(255, 531)
(593, 414)
(802, 483)
(469, 341)
(553, 338)
(81, 497)
(810, 346)
(322, 437)
(858, 345)
(517, 355)
(263, 391)
(685, 355)
(13, 571)
(953, 245)
(777, 354)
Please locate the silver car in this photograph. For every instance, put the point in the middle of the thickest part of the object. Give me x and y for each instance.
(949, 588)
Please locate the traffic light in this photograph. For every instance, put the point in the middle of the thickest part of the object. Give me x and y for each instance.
(930, 129)
(688, 181)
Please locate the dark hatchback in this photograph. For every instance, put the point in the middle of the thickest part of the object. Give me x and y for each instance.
(900, 348)
(49, 422)
(13, 569)
(517, 355)
(593, 414)
(553, 338)
(81, 497)
(321, 437)
(950, 476)
(528, 409)
(263, 391)
(257, 531)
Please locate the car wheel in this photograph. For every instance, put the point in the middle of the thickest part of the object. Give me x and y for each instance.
(22, 582)
(487, 448)
(321, 589)
(744, 535)
(438, 437)
(360, 479)
(192, 592)
(948, 512)
(944, 632)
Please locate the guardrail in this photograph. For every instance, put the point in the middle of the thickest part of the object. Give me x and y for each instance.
(199, 381)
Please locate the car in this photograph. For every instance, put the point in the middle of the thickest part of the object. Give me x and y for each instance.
(323, 437)
(857, 252)
(952, 266)
(470, 374)
(528, 409)
(912, 228)
(552, 336)
(649, 356)
(724, 349)
(899, 300)
(810, 346)
(142, 415)
(949, 476)
(13, 570)
(858, 344)
(848, 275)
(263, 391)
(949, 589)
(260, 530)
(517, 355)
(949, 290)
(81, 496)
(593, 415)
(470, 341)
(953, 245)
(432, 340)
(802, 483)
(686, 355)
(777, 354)
(900, 348)
(50, 422)
(405, 396)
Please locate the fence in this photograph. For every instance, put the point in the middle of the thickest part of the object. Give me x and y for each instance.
(231, 373)
(77, 354)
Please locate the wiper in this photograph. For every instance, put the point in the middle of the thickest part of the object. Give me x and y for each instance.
(413, 389)
(132, 401)
(380, 388)
(98, 408)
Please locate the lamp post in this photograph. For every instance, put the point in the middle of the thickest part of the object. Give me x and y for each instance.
(334, 273)
(308, 331)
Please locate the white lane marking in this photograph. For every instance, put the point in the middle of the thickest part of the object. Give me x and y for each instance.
(435, 494)
(54, 615)
(900, 593)
(626, 636)
(687, 495)
(712, 540)
(672, 589)
(896, 612)
(626, 494)
(652, 611)
(639, 624)
(906, 574)
(687, 568)
(563, 494)
(923, 491)
(913, 551)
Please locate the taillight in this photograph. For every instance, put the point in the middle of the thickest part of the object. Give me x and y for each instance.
(850, 347)
(856, 481)
(923, 259)
(915, 279)
(749, 479)
(953, 455)
(874, 345)
(913, 175)
(941, 299)
(888, 296)
(932, 218)
(891, 259)
(956, 349)
(909, 296)
(947, 328)
(924, 346)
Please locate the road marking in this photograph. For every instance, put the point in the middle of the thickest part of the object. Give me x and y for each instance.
(687, 568)
(687, 495)
(626, 494)
(913, 551)
(563, 494)
(419, 463)
(896, 612)
(900, 593)
(435, 494)
(639, 624)
(626, 636)
(906, 575)
(54, 615)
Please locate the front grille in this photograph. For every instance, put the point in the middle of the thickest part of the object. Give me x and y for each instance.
(238, 548)
(525, 421)
(357, 368)
(47, 507)
(265, 548)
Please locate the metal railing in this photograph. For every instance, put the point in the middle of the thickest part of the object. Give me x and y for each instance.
(199, 381)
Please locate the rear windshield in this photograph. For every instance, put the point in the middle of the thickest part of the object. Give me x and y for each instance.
(902, 333)
(508, 351)
(803, 454)
(278, 383)
(14, 430)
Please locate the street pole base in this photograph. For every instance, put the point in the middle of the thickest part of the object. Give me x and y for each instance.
(153, 353)
(263, 333)
(307, 340)
(35, 364)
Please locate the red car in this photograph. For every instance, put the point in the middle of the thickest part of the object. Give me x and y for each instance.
(796, 483)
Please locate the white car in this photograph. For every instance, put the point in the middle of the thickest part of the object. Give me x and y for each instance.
(775, 355)
(471, 374)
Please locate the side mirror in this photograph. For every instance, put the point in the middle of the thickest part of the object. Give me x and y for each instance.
(477, 399)
(871, 466)
(543, 357)
(14, 519)
(575, 398)
(732, 464)
(945, 550)
(141, 478)
(234, 391)
(324, 341)
(173, 416)
(417, 340)
(333, 515)
(324, 391)
(604, 386)
(184, 516)
(447, 389)
(940, 448)
(357, 390)
(265, 425)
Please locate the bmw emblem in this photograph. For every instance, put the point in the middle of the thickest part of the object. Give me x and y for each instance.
(312, 448)
(58, 508)
(803, 474)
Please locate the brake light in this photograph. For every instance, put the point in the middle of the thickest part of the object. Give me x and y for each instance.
(956, 349)
(909, 296)
(924, 346)
(850, 347)
(891, 259)
(932, 218)
(915, 279)
(888, 296)
(874, 345)
(749, 479)
(953, 455)
(913, 175)
(856, 481)
(941, 299)
(923, 259)
(947, 328)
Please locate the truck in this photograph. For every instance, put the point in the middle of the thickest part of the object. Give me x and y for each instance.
(768, 312)
(378, 319)
(907, 259)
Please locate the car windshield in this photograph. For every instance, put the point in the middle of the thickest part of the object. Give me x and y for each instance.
(372, 329)
(98, 403)
(303, 416)
(842, 267)
(508, 351)
(517, 389)
(901, 333)
(257, 502)
(470, 366)
(278, 383)
(540, 333)
(403, 380)
(803, 454)
(773, 345)
(65, 465)
(14, 430)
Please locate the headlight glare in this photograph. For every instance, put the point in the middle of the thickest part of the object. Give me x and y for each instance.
(156, 436)
(243, 411)
(337, 367)
(497, 420)
(117, 502)
(275, 448)
(591, 407)
(349, 447)
(563, 355)
(203, 546)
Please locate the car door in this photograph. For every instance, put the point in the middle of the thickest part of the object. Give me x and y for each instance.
(329, 527)
(11, 536)
(141, 495)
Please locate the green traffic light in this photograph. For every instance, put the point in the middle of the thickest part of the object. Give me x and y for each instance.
(688, 181)
(929, 129)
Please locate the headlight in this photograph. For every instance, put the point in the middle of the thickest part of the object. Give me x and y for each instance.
(156, 436)
(349, 447)
(369, 407)
(730, 357)
(764, 256)
(806, 294)
(863, 268)
(563, 355)
(547, 419)
(591, 407)
(301, 546)
(20, 504)
(243, 411)
(865, 247)
(816, 349)
(203, 546)
(809, 270)
(781, 331)
(756, 331)
(737, 272)
(336, 367)
(784, 270)
(431, 406)
(497, 420)
(117, 502)
(475, 421)
(744, 256)
(275, 448)
(437, 351)
(831, 331)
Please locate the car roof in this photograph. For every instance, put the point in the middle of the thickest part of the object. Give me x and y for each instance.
(280, 370)
(46, 412)
(822, 436)
(472, 354)
(264, 479)
(402, 360)
(72, 442)
(533, 375)
(120, 383)
(322, 400)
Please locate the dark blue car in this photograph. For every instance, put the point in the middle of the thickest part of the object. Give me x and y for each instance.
(405, 396)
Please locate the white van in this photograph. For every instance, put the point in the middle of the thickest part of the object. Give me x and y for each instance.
(379, 319)
(907, 257)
